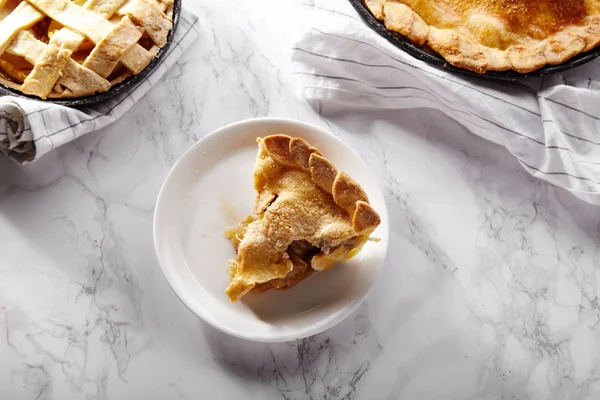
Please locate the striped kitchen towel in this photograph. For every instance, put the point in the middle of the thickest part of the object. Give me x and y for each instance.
(30, 128)
(551, 125)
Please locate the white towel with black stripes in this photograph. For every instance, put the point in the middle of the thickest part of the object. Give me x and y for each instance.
(29, 128)
(551, 125)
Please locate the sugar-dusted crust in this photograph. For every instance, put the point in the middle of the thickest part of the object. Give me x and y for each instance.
(310, 217)
(485, 35)
(346, 192)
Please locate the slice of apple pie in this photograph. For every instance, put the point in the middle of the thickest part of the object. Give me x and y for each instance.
(310, 216)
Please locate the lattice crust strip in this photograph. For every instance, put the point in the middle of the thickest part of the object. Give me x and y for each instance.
(115, 42)
(23, 17)
(105, 57)
(106, 8)
(150, 14)
(50, 64)
(90, 24)
(74, 76)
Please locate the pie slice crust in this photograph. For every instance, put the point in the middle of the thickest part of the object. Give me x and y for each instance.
(309, 217)
(487, 35)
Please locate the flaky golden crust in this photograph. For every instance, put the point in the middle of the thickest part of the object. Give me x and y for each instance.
(310, 217)
(400, 18)
(66, 49)
(486, 35)
(345, 190)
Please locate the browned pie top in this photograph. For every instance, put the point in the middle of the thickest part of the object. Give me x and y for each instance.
(301, 196)
(470, 33)
(500, 23)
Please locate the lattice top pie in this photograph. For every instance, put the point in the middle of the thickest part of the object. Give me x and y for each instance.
(496, 35)
(65, 49)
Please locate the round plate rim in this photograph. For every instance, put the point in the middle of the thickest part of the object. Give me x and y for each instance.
(316, 328)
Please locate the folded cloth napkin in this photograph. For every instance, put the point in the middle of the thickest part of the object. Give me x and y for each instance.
(29, 128)
(551, 125)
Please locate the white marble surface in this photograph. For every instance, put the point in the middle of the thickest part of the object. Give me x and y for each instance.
(490, 290)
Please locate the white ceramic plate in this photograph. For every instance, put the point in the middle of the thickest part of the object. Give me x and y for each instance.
(209, 189)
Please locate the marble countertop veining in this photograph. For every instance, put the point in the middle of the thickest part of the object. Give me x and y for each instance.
(490, 289)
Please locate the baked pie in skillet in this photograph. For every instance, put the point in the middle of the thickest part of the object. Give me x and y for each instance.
(310, 216)
(66, 49)
(495, 35)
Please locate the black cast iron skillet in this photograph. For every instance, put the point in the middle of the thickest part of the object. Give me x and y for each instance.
(435, 59)
(127, 85)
